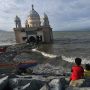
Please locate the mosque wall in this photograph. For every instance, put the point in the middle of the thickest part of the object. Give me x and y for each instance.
(47, 35)
(19, 36)
(40, 33)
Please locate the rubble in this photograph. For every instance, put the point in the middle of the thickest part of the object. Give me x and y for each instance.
(48, 69)
(45, 76)
(34, 82)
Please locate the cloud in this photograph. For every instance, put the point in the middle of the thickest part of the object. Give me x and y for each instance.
(63, 14)
(82, 23)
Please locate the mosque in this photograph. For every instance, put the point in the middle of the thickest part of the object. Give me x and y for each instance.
(34, 29)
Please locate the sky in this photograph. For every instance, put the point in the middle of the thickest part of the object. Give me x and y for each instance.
(62, 14)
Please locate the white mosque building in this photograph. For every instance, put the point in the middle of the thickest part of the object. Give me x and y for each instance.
(33, 30)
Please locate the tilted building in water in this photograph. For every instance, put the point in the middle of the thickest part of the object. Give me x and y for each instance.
(33, 30)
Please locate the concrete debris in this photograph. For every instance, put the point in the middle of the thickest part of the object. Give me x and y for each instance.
(48, 68)
(3, 82)
(33, 82)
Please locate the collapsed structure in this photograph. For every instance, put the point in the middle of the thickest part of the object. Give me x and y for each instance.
(33, 30)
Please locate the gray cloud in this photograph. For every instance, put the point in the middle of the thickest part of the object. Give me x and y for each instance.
(63, 14)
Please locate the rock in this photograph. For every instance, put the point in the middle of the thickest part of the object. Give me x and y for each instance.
(3, 82)
(86, 82)
(36, 84)
(54, 84)
(25, 84)
(83, 84)
(18, 83)
(13, 84)
(33, 82)
(48, 69)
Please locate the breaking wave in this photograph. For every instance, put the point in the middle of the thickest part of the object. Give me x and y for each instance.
(45, 54)
(71, 59)
(68, 59)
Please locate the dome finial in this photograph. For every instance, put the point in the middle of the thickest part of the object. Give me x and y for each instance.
(32, 7)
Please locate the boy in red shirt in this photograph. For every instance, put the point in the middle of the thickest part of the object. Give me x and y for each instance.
(77, 72)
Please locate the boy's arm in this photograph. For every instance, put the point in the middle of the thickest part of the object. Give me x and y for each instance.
(82, 72)
(70, 75)
(71, 70)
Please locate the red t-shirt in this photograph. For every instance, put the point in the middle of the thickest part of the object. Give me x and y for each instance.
(77, 72)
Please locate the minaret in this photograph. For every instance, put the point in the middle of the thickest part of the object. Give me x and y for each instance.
(46, 21)
(26, 24)
(17, 22)
(32, 7)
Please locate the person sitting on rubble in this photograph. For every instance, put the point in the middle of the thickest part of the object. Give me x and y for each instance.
(77, 72)
(87, 71)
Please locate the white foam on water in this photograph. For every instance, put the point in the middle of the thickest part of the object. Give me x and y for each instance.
(72, 59)
(68, 59)
(45, 54)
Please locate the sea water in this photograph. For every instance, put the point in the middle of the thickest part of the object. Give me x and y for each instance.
(67, 45)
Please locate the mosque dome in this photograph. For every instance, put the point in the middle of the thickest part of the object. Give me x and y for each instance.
(33, 13)
(33, 18)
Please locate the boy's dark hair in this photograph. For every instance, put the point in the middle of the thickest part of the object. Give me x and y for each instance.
(78, 61)
(87, 66)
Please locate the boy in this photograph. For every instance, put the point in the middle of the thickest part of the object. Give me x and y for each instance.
(77, 72)
(87, 71)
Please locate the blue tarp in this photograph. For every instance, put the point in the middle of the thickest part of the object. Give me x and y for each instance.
(24, 66)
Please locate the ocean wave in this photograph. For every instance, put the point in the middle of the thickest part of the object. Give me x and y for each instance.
(65, 58)
(72, 59)
(45, 54)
